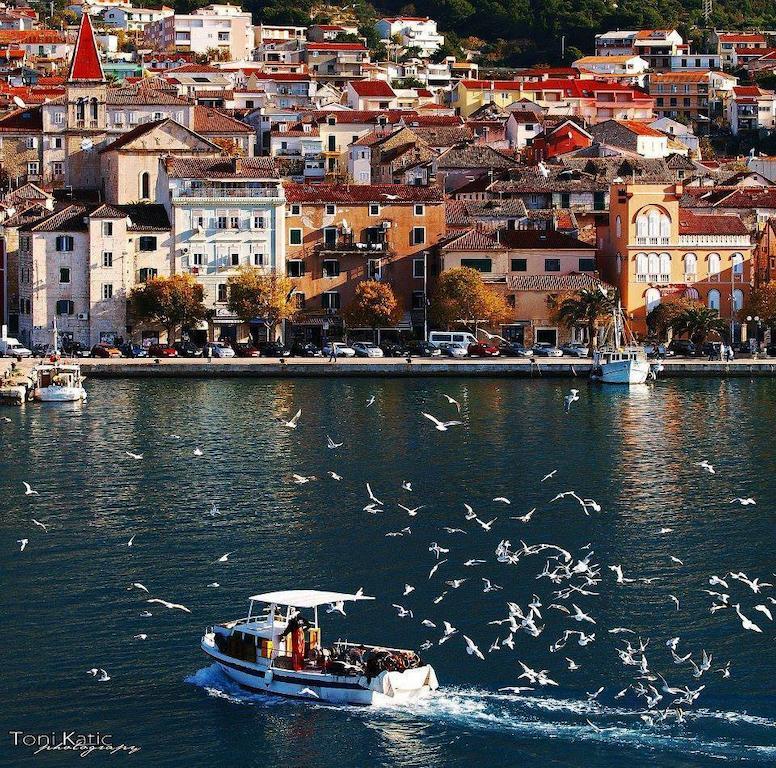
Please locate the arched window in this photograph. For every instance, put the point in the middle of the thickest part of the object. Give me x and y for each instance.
(618, 227)
(94, 107)
(80, 109)
(641, 264)
(665, 227)
(145, 185)
(690, 265)
(654, 223)
(619, 264)
(738, 300)
(665, 266)
(737, 260)
(714, 264)
(652, 298)
(654, 266)
(642, 226)
(713, 299)
(692, 294)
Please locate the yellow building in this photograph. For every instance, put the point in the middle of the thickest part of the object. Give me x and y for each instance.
(470, 95)
(656, 250)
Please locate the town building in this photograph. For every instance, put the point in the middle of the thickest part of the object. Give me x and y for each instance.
(133, 19)
(412, 32)
(728, 42)
(336, 63)
(751, 108)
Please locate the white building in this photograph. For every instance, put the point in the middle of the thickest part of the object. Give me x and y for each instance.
(625, 68)
(134, 19)
(615, 43)
(413, 31)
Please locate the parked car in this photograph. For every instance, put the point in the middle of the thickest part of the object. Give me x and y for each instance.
(133, 350)
(105, 350)
(423, 349)
(682, 347)
(305, 349)
(657, 351)
(43, 350)
(218, 349)
(575, 349)
(272, 349)
(712, 349)
(187, 349)
(342, 349)
(543, 349)
(514, 349)
(76, 349)
(394, 349)
(367, 349)
(246, 350)
(11, 347)
(162, 350)
(453, 349)
(483, 349)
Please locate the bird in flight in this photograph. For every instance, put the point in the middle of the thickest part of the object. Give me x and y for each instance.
(135, 456)
(743, 502)
(23, 543)
(453, 401)
(224, 558)
(28, 490)
(370, 401)
(472, 649)
(705, 464)
(441, 426)
(334, 475)
(198, 451)
(412, 512)
(502, 499)
(406, 485)
(524, 518)
(40, 525)
(291, 423)
(331, 444)
(372, 497)
(167, 604)
(131, 540)
(572, 397)
(548, 476)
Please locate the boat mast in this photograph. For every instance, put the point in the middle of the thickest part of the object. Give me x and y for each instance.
(56, 338)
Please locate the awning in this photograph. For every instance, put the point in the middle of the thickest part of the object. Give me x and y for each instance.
(306, 598)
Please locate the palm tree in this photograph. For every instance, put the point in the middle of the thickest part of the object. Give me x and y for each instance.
(589, 307)
(698, 323)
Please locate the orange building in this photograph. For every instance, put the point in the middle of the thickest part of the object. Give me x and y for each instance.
(656, 249)
(340, 234)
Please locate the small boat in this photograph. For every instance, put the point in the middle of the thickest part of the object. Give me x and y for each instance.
(623, 361)
(278, 649)
(58, 382)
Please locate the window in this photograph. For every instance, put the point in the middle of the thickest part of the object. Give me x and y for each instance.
(418, 300)
(234, 222)
(418, 267)
(64, 274)
(299, 300)
(64, 243)
(107, 229)
(418, 235)
(294, 236)
(481, 265)
(519, 265)
(374, 269)
(420, 210)
(258, 222)
(107, 291)
(565, 200)
(147, 243)
(57, 169)
(295, 268)
(374, 209)
(221, 222)
(332, 144)
(330, 300)
(714, 265)
(258, 259)
(198, 259)
(331, 268)
(107, 259)
(552, 265)
(146, 273)
(690, 266)
(713, 299)
(738, 265)
(331, 209)
(33, 169)
(618, 227)
(330, 237)
(30, 142)
(296, 209)
(222, 293)
(234, 259)
(145, 185)
(587, 265)
(59, 118)
(65, 307)
(652, 298)
(738, 300)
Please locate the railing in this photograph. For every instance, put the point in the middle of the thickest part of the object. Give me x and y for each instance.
(641, 278)
(227, 192)
(724, 241)
(354, 247)
(652, 240)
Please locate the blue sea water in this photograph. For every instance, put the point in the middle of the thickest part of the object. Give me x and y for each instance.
(66, 607)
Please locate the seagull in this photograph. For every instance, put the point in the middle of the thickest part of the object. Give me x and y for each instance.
(572, 397)
(214, 584)
(517, 689)
(428, 623)
(309, 692)
(291, 424)
(334, 475)
(509, 641)
(705, 464)
(389, 197)
(302, 479)
(135, 456)
(449, 631)
(425, 645)
(526, 517)
(474, 561)
(131, 540)
(724, 671)
(373, 509)
(441, 426)
(485, 526)
(407, 589)
(675, 600)
(372, 497)
(580, 615)
(434, 569)
(472, 649)
(620, 578)
(490, 586)
(502, 499)
(453, 401)
(437, 550)
(28, 490)
(573, 666)
(746, 623)
(173, 436)
(412, 512)
(666, 530)
(595, 727)
(470, 514)
(548, 476)
(40, 525)
(406, 485)
(177, 606)
(198, 451)
(331, 444)
(743, 502)
(717, 580)
(370, 401)
(100, 674)
(224, 558)
(146, 614)
(452, 530)
(137, 585)
(337, 607)
(141, 636)
(764, 610)
(23, 542)
(595, 694)
(214, 510)
(455, 583)
(676, 560)
(403, 612)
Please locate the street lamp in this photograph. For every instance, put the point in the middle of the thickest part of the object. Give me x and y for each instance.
(756, 321)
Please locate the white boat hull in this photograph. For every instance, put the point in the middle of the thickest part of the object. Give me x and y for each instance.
(625, 372)
(60, 394)
(386, 688)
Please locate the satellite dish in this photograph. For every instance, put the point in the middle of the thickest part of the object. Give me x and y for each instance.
(19, 102)
(86, 144)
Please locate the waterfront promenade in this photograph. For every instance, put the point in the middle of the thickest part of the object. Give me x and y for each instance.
(392, 367)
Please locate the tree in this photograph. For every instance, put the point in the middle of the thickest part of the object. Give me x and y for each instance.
(256, 294)
(588, 307)
(169, 301)
(698, 322)
(461, 296)
(661, 319)
(762, 304)
(374, 306)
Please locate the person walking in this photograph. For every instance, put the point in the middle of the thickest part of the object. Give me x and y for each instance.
(333, 355)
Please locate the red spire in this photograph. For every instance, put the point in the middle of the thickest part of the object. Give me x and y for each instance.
(86, 60)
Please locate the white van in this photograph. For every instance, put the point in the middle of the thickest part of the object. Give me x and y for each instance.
(11, 348)
(451, 337)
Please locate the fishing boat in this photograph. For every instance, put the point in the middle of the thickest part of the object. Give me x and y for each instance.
(622, 361)
(277, 648)
(58, 382)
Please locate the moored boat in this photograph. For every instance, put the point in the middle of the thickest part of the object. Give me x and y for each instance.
(58, 382)
(277, 648)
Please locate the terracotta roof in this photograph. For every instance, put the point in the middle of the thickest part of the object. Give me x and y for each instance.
(191, 68)
(374, 88)
(490, 85)
(749, 197)
(208, 121)
(28, 120)
(712, 224)
(221, 168)
(386, 194)
(143, 217)
(335, 47)
(30, 36)
(681, 77)
(574, 281)
(27, 192)
(474, 156)
(737, 37)
(640, 129)
(86, 60)
(68, 219)
(367, 117)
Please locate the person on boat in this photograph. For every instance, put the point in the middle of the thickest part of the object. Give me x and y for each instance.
(297, 624)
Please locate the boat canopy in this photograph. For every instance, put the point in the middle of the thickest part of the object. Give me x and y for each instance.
(305, 598)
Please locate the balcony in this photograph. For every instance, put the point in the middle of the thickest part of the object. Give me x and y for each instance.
(652, 240)
(714, 241)
(229, 192)
(351, 247)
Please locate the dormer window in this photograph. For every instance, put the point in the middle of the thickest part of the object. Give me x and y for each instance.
(331, 120)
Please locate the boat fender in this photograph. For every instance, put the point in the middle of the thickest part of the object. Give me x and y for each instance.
(268, 677)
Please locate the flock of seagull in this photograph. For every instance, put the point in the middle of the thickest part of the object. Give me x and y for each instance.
(571, 577)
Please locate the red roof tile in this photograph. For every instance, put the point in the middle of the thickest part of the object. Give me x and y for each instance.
(375, 88)
(716, 224)
(208, 120)
(387, 194)
(86, 60)
(335, 47)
